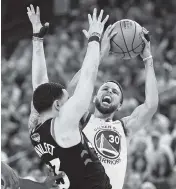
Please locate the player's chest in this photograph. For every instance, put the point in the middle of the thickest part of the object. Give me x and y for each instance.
(108, 139)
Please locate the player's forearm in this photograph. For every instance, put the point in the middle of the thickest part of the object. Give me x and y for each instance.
(84, 89)
(73, 83)
(29, 184)
(151, 89)
(39, 70)
(90, 66)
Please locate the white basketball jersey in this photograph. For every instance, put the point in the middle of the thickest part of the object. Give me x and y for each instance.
(109, 141)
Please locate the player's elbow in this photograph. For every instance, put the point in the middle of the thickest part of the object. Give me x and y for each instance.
(152, 107)
(152, 103)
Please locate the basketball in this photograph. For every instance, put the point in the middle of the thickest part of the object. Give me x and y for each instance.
(127, 43)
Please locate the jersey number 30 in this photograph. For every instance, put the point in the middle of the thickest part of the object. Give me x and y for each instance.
(55, 165)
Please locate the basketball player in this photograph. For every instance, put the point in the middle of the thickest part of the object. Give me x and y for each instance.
(108, 137)
(11, 180)
(57, 139)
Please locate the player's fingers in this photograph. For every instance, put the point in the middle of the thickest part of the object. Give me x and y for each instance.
(105, 20)
(107, 29)
(15, 179)
(100, 16)
(89, 19)
(113, 34)
(60, 175)
(94, 14)
(111, 28)
(145, 31)
(38, 11)
(6, 184)
(106, 33)
(85, 33)
(28, 9)
(32, 8)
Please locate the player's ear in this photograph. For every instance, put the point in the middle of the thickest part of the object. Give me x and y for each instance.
(56, 104)
(119, 107)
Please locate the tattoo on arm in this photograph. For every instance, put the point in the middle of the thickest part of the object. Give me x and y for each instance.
(33, 121)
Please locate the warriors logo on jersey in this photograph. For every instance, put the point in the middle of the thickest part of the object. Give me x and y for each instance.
(108, 145)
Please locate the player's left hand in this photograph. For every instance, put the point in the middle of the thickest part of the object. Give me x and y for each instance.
(105, 42)
(147, 50)
(34, 17)
(50, 180)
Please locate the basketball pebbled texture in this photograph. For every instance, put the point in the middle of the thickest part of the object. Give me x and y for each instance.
(127, 43)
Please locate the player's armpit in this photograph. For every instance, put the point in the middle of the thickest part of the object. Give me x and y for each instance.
(140, 117)
(33, 118)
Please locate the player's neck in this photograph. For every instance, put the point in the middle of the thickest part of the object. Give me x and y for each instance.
(103, 116)
(45, 116)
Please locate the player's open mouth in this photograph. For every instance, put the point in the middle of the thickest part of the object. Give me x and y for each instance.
(107, 100)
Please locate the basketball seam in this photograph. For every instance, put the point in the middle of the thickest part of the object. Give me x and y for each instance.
(134, 38)
(124, 40)
(128, 51)
(119, 48)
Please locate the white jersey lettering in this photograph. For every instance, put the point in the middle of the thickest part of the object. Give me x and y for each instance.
(45, 149)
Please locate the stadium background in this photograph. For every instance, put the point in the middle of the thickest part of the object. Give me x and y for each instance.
(65, 47)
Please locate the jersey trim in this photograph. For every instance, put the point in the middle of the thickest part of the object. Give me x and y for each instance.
(52, 129)
(124, 128)
(85, 119)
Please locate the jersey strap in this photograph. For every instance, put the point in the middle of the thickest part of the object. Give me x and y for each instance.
(124, 128)
(85, 119)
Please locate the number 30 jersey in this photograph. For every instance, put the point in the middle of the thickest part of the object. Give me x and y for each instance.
(109, 140)
(81, 165)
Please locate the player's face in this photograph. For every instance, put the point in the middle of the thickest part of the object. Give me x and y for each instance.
(108, 98)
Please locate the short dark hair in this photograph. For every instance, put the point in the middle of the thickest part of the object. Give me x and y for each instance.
(120, 87)
(45, 94)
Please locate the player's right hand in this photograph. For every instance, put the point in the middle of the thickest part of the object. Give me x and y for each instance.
(96, 25)
(146, 39)
(10, 178)
(50, 181)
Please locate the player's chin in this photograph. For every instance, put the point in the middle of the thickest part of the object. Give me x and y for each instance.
(106, 105)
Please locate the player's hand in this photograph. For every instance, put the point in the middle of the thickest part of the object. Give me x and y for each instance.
(50, 180)
(10, 178)
(147, 50)
(96, 25)
(105, 42)
(34, 17)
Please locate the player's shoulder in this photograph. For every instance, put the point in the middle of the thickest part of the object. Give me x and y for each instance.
(122, 123)
(118, 121)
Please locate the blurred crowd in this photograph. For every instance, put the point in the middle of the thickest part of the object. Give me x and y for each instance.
(152, 152)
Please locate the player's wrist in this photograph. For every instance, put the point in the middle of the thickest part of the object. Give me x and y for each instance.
(34, 38)
(147, 58)
(94, 39)
(40, 33)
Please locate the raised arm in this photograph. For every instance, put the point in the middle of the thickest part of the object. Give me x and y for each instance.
(105, 47)
(78, 104)
(143, 113)
(39, 70)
